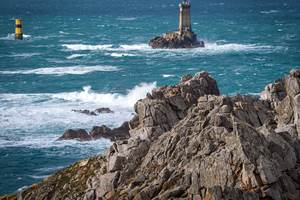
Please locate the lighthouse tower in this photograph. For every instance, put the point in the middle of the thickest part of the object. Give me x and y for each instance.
(185, 17)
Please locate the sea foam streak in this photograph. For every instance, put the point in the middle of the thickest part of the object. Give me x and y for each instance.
(75, 70)
(74, 56)
(84, 47)
(209, 49)
(11, 36)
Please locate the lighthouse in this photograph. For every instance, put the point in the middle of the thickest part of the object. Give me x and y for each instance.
(185, 17)
(184, 37)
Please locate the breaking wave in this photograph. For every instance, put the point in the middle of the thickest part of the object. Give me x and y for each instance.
(109, 99)
(39, 113)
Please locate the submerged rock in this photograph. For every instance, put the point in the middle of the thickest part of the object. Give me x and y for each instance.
(95, 112)
(187, 142)
(176, 40)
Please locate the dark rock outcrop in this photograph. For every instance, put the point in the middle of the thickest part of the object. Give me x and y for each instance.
(175, 40)
(95, 112)
(187, 142)
(97, 132)
(75, 134)
(115, 134)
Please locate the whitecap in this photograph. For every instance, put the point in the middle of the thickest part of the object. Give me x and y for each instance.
(85, 47)
(21, 55)
(168, 75)
(11, 36)
(63, 33)
(73, 56)
(121, 55)
(110, 99)
(126, 18)
(38, 176)
(269, 11)
(75, 70)
(134, 47)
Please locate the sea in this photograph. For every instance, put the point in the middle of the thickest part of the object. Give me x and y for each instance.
(87, 54)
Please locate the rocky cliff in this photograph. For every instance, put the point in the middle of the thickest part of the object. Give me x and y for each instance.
(188, 142)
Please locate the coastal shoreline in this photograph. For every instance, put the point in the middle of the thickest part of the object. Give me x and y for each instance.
(187, 141)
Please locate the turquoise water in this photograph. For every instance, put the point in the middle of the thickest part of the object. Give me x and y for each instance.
(86, 54)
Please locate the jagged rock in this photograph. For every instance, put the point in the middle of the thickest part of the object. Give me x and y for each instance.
(120, 133)
(175, 40)
(284, 95)
(187, 142)
(77, 134)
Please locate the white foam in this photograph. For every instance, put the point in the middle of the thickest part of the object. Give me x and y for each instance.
(75, 70)
(64, 33)
(133, 47)
(126, 18)
(214, 48)
(168, 75)
(108, 99)
(211, 48)
(11, 36)
(73, 56)
(118, 55)
(85, 47)
(269, 11)
(37, 120)
(21, 55)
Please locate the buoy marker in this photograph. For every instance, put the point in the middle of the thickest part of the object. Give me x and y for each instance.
(19, 32)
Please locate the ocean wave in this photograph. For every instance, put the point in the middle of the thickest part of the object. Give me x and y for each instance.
(75, 70)
(50, 141)
(73, 56)
(210, 48)
(214, 48)
(110, 99)
(134, 47)
(11, 36)
(126, 18)
(22, 55)
(168, 75)
(269, 11)
(84, 47)
(42, 112)
(118, 55)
